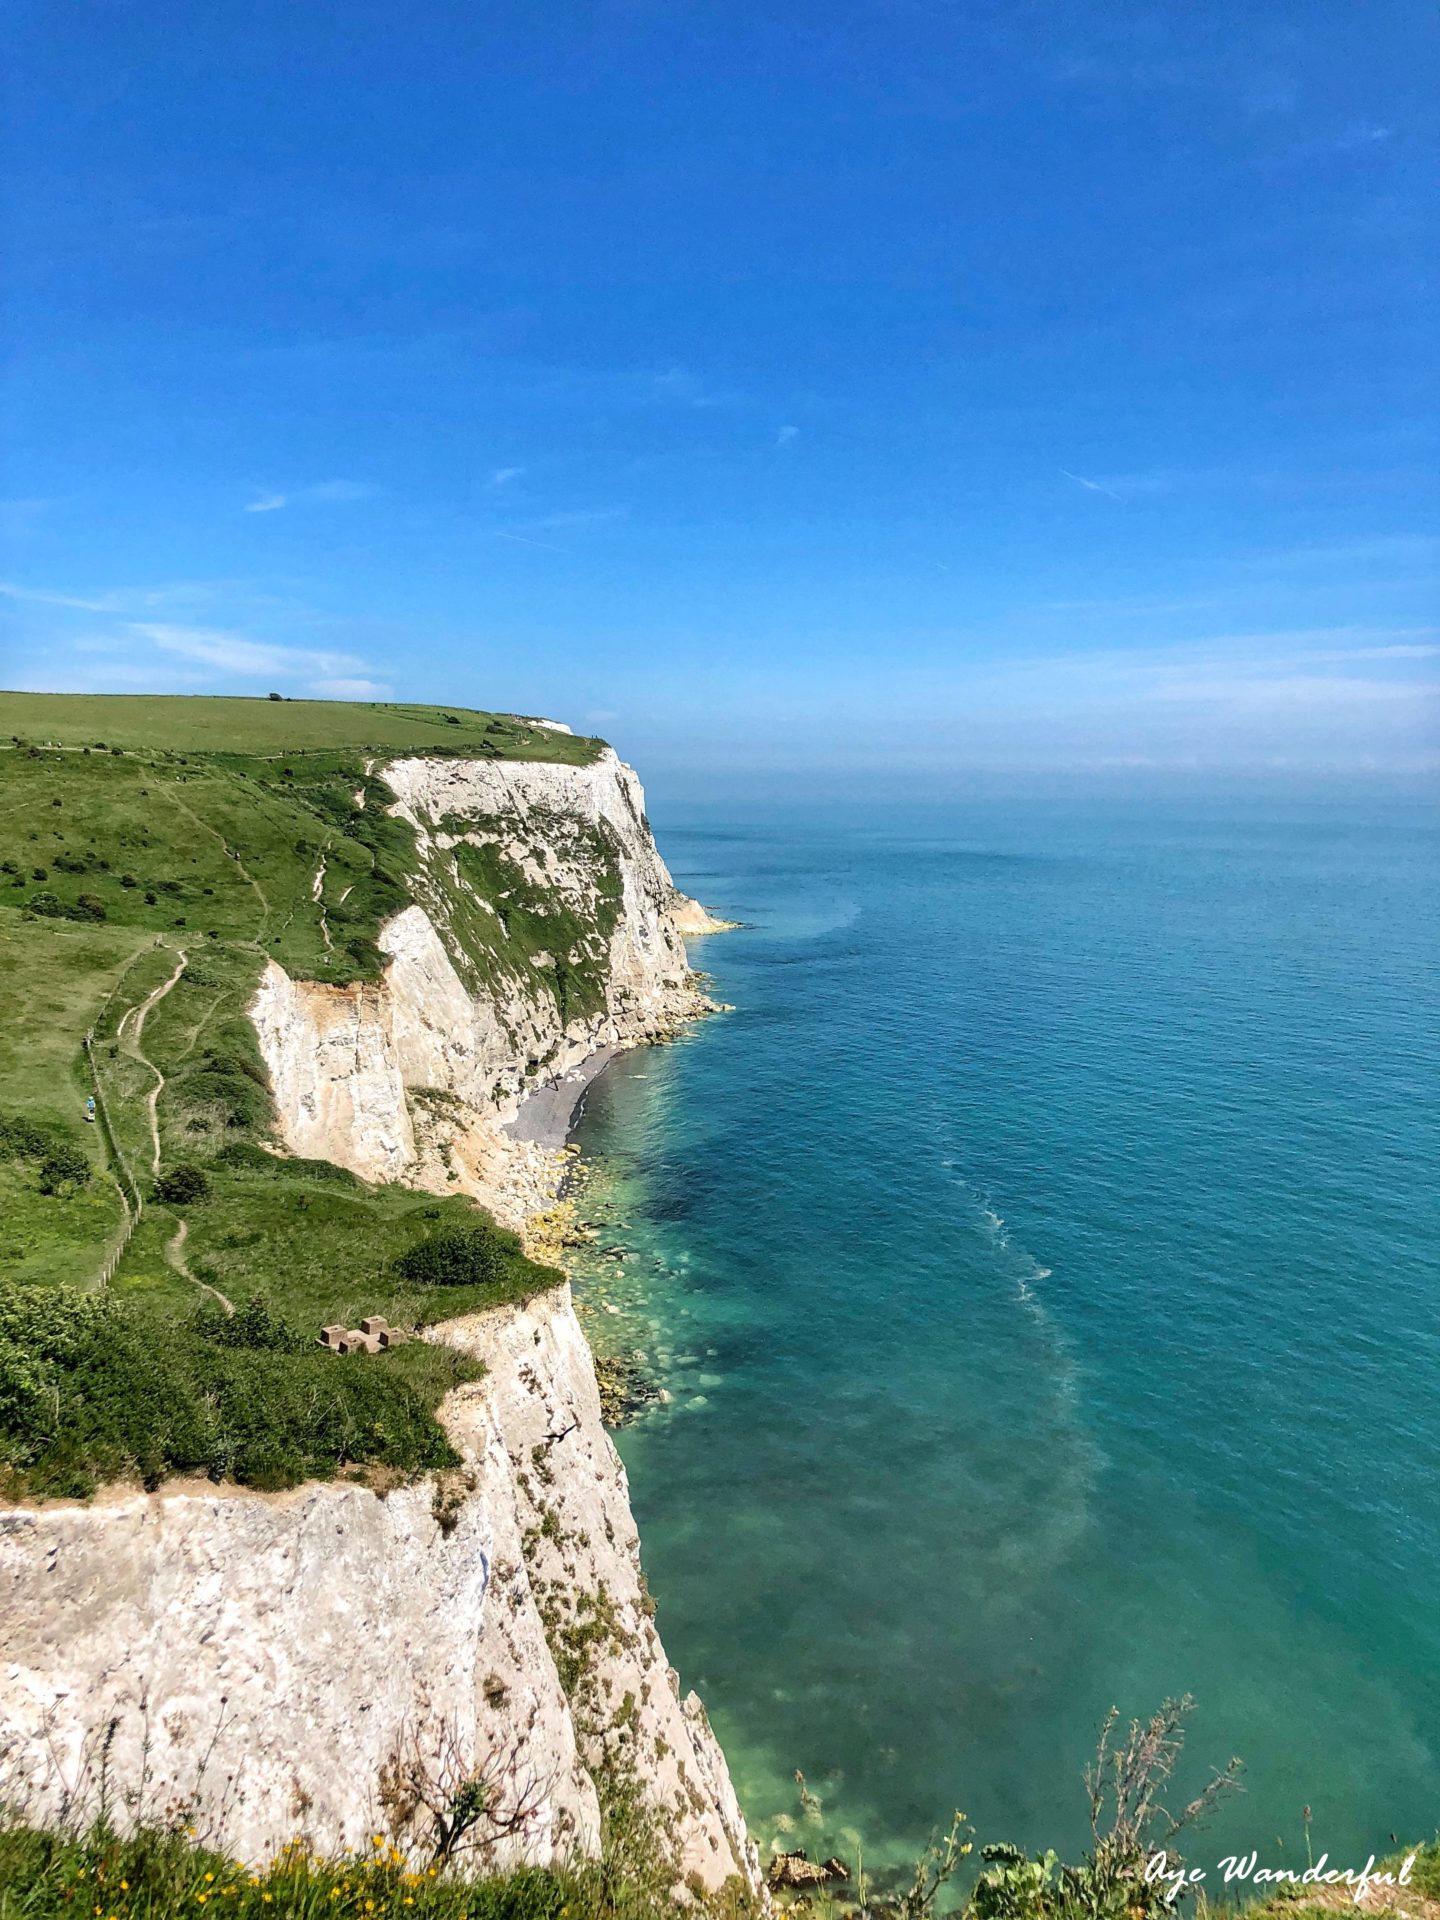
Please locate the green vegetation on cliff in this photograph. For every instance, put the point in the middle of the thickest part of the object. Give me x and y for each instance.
(154, 854)
(443, 1869)
(206, 723)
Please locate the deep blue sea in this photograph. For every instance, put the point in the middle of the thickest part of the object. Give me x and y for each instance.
(1043, 1263)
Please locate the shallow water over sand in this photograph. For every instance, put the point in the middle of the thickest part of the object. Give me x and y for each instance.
(1041, 1265)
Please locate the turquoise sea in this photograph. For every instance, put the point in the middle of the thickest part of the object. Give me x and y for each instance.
(1043, 1263)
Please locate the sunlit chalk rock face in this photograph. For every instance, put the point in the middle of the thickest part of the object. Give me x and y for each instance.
(545, 926)
(271, 1660)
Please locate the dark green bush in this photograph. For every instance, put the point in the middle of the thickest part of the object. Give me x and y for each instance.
(63, 1165)
(256, 1326)
(457, 1257)
(181, 1185)
(62, 1168)
(22, 1139)
(245, 1157)
(50, 907)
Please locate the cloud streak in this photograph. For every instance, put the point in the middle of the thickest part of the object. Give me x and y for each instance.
(236, 655)
(322, 494)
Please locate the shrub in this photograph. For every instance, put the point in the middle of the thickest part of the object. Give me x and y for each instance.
(457, 1257)
(22, 1139)
(50, 907)
(63, 1168)
(245, 1157)
(256, 1326)
(181, 1184)
(63, 1165)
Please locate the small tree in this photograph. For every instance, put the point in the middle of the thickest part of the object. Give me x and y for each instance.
(440, 1794)
(273, 696)
(180, 1185)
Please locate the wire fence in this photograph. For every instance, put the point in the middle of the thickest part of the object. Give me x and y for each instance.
(130, 1194)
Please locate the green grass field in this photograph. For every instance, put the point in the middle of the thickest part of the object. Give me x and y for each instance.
(180, 723)
(144, 883)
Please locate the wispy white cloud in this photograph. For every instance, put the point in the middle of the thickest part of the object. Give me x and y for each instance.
(786, 435)
(322, 493)
(38, 596)
(237, 654)
(1092, 486)
(1364, 133)
(523, 540)
(502, 476)
(572, 520)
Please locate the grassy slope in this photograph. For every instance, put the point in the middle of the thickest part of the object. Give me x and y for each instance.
(205, 864)
(205, 724)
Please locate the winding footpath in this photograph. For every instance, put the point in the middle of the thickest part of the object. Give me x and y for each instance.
(139, 1014)
(175, 1257)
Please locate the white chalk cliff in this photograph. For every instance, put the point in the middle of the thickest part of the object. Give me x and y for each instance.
(285, 1664)
(275, 1663)
(465, 1015)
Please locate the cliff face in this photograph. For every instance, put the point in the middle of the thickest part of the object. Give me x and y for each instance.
(292, 1664)
(321, 1662)
(544, 929)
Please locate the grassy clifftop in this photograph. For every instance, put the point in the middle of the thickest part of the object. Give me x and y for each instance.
(207, 724)
(154, 853)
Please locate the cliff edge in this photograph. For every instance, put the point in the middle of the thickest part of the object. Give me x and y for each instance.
(544, 929)
(380, 956)
(293, 1664)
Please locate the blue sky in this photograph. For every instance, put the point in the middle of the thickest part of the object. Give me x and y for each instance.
(881, 389)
